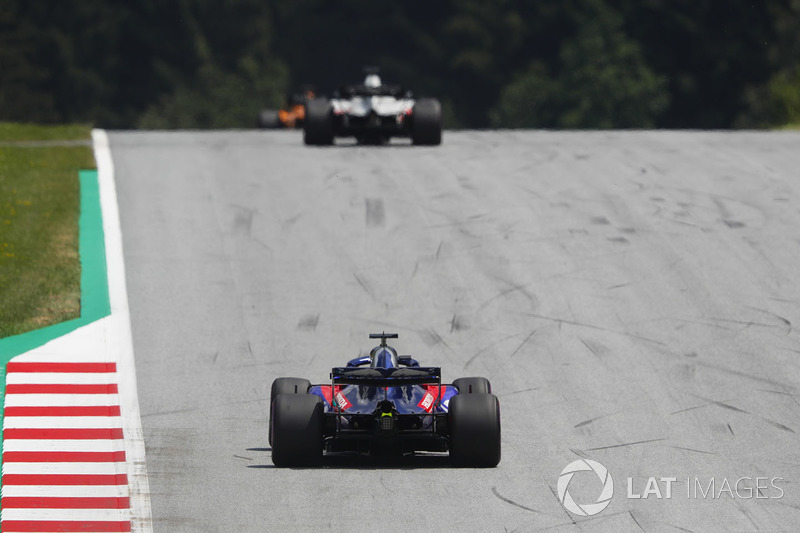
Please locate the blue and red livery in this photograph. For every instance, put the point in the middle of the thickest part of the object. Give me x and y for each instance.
(384, 402)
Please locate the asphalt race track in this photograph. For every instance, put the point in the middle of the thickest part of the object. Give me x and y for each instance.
(632, 296)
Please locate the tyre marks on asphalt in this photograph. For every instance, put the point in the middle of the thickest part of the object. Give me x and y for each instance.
(64, 460)
(308, 322)
(375, 212)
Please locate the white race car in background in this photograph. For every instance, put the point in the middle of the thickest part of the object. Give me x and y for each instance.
(373, 113)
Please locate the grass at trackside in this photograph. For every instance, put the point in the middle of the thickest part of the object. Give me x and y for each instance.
(10, 132)
(39, 207)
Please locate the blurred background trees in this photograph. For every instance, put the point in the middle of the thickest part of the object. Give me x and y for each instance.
(505, 63)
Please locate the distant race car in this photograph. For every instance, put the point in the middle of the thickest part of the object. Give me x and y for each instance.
(384, 404)
(373, 113)
(291, 116)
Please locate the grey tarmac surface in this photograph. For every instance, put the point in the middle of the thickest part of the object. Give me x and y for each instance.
(632, 296)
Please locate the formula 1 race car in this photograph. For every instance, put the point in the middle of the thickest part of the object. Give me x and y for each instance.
(291, 115)
(373, 113)
(384, 404)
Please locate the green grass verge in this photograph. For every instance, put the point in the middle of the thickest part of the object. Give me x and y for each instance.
(11, 132)
(94, 300)
(39, 208)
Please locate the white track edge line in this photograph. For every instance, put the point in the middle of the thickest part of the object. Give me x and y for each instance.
(62, 422)
(141, 519)
(64, 445)
(43, 468)
(63, 400)
(62, 378)
(65, 491)
(67, 515)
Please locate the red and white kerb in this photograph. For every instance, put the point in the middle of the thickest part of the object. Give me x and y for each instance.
(64, 457)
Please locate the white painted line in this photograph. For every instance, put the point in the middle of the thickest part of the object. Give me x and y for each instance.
(43, 531)
(64, 468)
(83, 515)
(65, 445)
(121, 338)
(84, 378)
(88, 344)
(88, 422)
(60, 400)
(65, 491)
(48, 531)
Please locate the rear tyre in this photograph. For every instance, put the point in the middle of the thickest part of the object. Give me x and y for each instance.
(426, 122)
(473, 386)
(318, 124)
(285, 386)
(474, 430)
(269, 119)
(297, 427)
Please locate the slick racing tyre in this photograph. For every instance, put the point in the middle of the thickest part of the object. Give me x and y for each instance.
(318, 125)
(474, 430)
(269, 119)
(285, 386)
(297, 430)
(473, 386)
(426, 122)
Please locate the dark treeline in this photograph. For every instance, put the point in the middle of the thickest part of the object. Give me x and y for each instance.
(498, 63)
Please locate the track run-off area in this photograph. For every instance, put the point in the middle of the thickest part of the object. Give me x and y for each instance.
(632, 296)
(73, 453)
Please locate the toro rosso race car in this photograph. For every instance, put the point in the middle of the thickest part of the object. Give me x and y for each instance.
(384, 404)
(373, 113)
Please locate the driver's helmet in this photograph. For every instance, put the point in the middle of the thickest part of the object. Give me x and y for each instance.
(372, 81)
(383, 357)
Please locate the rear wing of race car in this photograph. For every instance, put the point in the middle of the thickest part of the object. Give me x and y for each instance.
(386, 377)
